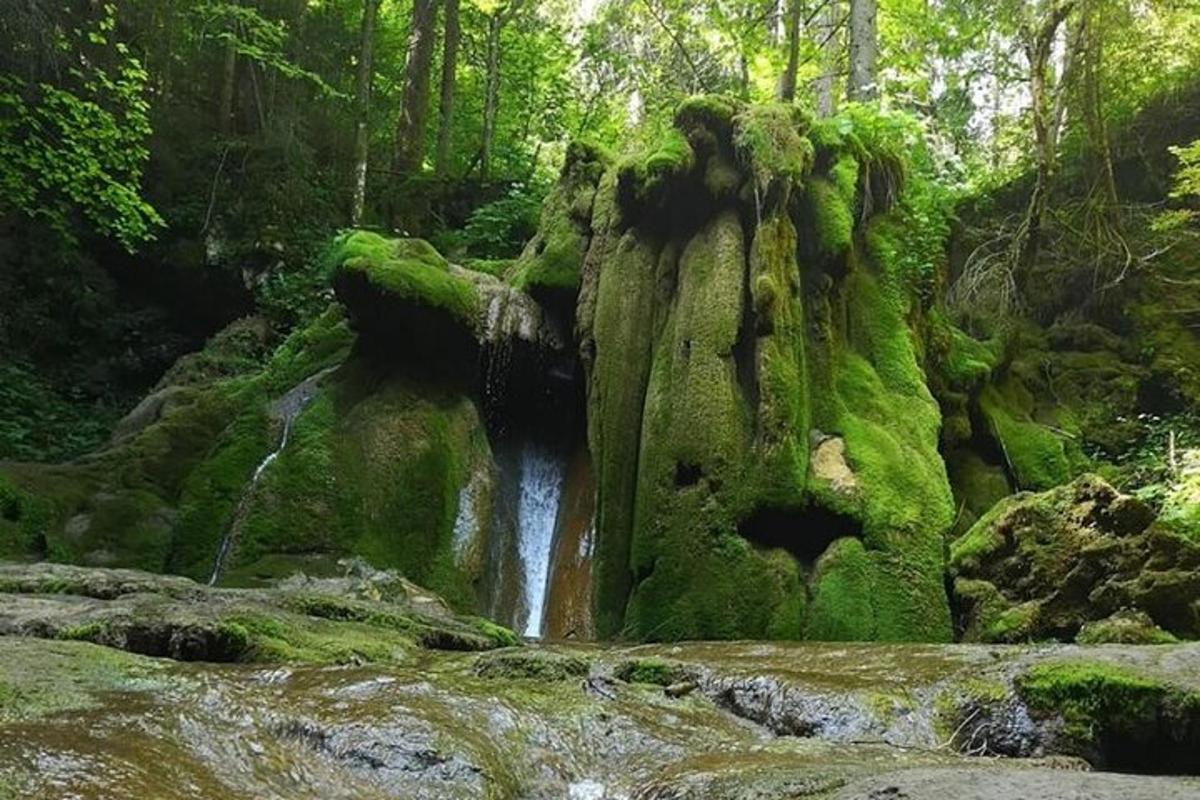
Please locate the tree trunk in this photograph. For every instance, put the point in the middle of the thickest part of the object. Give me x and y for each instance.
(225, 102)
(362, 109)
(787, 84)
(1092, 51)
(863, 50)
(491, 94)
(414, 96)
(446, 105)
(1038, 48)
(827, 29)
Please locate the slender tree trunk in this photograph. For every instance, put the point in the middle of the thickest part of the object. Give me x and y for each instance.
(362, 109)
(1092, 51)
(787, 84)
(863, 51)
(1038, 48)
(450, 40)
(414, 98)
(827, 29)
(491, 95)
(225, 102)
(996, 98)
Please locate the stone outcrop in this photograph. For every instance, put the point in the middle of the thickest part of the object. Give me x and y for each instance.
(740, 292)
(1045, 566)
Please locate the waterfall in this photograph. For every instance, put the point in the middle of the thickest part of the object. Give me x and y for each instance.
(287, 409)
(541, 481)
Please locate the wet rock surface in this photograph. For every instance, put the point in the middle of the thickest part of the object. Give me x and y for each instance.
(575, 721)
(366, 616)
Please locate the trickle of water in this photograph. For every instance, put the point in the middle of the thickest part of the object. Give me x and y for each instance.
(541, 481)
(287, 408)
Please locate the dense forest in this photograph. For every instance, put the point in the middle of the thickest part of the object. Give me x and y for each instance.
(169, 166)
(529, 398)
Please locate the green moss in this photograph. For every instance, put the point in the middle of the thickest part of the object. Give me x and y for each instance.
(1124, 627)
(622, 328)
(1181, 508)
(532, 665)
(977, 485)
(962, 362)
(409, 269)
(1016, 624)
(24, 520)
(831, 215)
(210, 495)
(652, 671)
(769, 141)
(274, 640)
(643, 175)
(323, 343)
(372, 469)
(240, 348)
(974, 547)
(1095, 699)
(697, 577)
(39, 677)
(713, 111)
(553, 259)
(1034, 453)
(842, 588)
(843, 174)
(85, 632)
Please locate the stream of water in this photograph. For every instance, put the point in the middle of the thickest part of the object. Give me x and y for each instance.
(288, 409)
(541, 482)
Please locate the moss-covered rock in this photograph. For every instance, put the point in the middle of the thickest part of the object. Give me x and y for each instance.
(1110, 713)
(1040, 566)
(408, 270)
(551, 263)
(727, 331)
(376, 616)
(373, 463)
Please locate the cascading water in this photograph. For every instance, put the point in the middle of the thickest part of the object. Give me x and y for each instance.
(541, 482)
(287, 409)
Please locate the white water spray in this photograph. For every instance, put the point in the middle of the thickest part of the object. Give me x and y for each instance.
(541, 482)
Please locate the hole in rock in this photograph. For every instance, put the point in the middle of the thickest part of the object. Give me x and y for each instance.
(1163, 741)
(805, 533)
(687, 474)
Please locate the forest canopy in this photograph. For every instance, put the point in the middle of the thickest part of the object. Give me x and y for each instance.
(161, 146)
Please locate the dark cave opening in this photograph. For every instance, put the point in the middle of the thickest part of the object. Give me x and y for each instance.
(804, 532)
(1164, 741)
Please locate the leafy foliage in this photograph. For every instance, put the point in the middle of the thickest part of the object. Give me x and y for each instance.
(80, 146)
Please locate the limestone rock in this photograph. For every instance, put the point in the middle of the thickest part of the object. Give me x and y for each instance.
(1040, 566)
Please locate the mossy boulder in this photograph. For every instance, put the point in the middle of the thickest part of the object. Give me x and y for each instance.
(742, 302)
(1041, 566)
(374, 461)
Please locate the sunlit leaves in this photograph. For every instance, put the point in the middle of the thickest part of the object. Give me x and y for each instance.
(79, 147)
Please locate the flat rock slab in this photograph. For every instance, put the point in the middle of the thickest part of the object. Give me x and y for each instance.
(967, 783)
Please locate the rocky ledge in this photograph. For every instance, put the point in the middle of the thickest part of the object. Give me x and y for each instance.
(365, 616)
